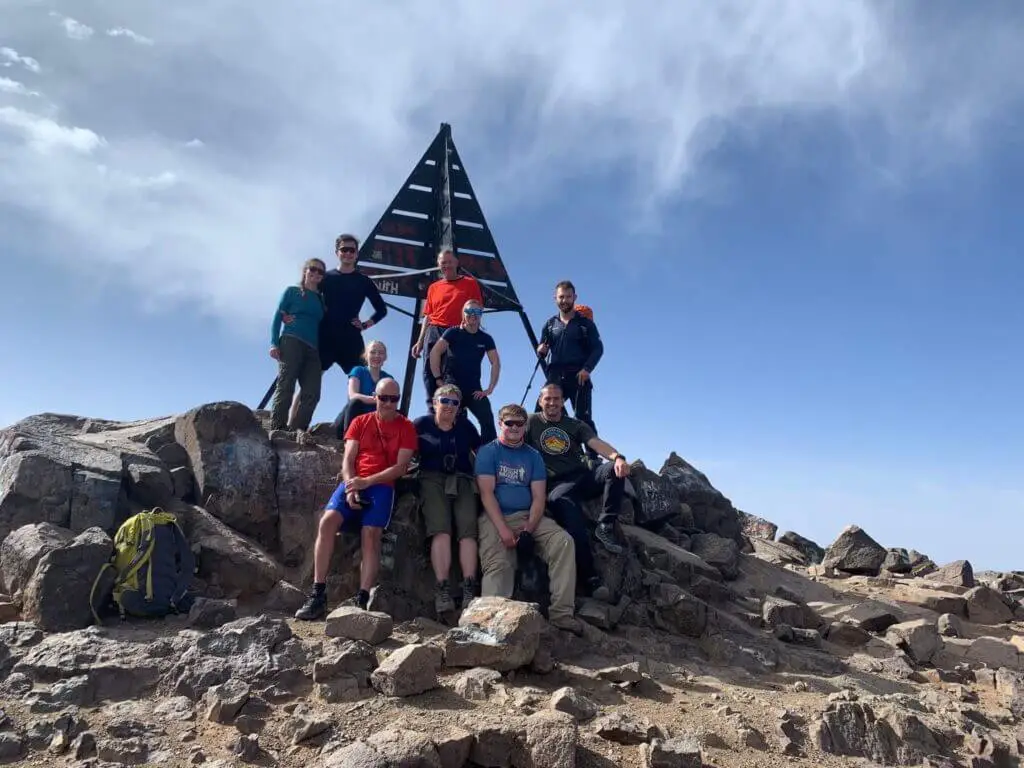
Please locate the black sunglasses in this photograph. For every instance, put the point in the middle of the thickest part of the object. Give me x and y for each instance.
(448, 401)
(347, 249)
(388, 398)
(315, 270)
(514, 423)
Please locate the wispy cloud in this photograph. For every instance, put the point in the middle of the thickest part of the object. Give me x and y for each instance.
(9, 57)
(13, 86)
(74, 29)
(135, 37)
(310, 117)
(41, 135)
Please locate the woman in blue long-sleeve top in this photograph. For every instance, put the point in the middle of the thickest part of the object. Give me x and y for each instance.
(296, 347)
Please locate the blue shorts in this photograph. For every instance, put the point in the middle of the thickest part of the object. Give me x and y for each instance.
(377, 515)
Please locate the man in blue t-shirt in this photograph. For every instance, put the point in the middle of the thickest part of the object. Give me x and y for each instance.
(512, 481)
(457, 358)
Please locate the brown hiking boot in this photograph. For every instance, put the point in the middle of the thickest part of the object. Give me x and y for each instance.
(567, 623)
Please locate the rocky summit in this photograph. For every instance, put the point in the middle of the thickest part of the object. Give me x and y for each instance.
(721, 645)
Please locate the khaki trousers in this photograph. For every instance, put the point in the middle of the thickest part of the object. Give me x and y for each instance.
(555, 548)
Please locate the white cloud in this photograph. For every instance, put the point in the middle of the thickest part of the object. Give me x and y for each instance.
(135, 37)
(13, 86)
(11, 57)
(43, 135)
(312, 119)
(76, 30)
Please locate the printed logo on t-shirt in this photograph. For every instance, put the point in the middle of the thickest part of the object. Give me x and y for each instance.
(513, 474)
(554, 441)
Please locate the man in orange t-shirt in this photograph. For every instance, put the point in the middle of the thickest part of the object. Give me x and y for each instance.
(378, 449)
(443, 310)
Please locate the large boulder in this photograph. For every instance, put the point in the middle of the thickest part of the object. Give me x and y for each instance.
(657, 500)
(657, 553)
(855, 552)
(234, 467)
(495, 632)
(306, 477)
(712, 511)
(755, 527)
(987, 606)
(56, 598)
(812, 551)
(226, 560)
(22, 550)
(722, 553)
(959, 573)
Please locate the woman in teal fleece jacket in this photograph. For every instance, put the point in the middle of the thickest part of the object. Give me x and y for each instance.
(296, 347)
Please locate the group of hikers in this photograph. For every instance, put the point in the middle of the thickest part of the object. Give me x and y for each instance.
(529, 472)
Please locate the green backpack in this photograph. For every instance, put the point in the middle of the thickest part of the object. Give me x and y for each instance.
(152, 568)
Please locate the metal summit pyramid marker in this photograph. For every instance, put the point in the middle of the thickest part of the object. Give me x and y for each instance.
(435, 207)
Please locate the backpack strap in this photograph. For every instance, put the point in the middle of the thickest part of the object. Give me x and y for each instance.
(92, 592)
(186, 565)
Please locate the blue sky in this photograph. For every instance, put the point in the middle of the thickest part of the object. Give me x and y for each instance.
(798, 224)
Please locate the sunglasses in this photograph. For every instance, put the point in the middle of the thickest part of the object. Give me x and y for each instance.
(315, 270)
(448, 401)
(474, 311)
(388, 398)
(514, 423)
(347, 249)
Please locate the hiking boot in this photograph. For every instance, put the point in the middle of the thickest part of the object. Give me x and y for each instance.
(469, 590)
(443, 602)
(362, 599)
(598, 590)
(567, 623)
(605, 534)
(314, 608)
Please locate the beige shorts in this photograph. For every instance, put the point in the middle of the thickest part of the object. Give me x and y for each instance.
(439, 509)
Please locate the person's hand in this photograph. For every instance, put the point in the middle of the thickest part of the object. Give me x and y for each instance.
(357, 323)
(621, 468)
(275, 353)
(287, 319)
(542, 350)
(417, 350)
(583, 376)
(508, 538)
(352, 499)
(479, 395)
(357, 484)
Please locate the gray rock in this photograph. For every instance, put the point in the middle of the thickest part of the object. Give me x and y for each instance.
(408, 671)
(958, 573)
(223, 702)
(987, 606)
(353, 623)
(657, 501)
(453, 747)
(284, 597)
(678, 752)
(633, 672)
(207, 613)
(712, 511)
(574, 703)
(624, 729)
(850, 635)
(551, 739)
(776, 611)
(812, 551)
(754, 527)
(494, 632)
(478, 684)
(722, 553)
(353, 659)
(23, 548)
(777, 552)
(306, 478)
(855, 552)
(919, 638)
(12, 746)
(949, 625)
(897, 561)
(854, 729)
(678, 611)
(56, 597)
(233, 463)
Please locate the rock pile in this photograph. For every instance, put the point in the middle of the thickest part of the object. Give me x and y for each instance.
(721, 644)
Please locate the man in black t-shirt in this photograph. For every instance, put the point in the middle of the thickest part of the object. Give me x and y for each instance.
(466, 346)
(561, 441)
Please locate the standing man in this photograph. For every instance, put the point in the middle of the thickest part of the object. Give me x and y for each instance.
(378, 449)
(466, 347)
(443, 310)
(511, 478)
(576, 348)
(345, 290)
(561, 441)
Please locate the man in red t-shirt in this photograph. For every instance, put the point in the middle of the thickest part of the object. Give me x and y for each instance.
(378, 449)
(443, 310)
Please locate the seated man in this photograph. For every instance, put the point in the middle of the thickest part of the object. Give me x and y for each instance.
(561, 440)
(447, 447)
(510, 477)
(378, 449)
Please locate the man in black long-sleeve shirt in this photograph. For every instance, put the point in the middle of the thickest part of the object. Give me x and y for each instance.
(576, 348)
(344, 290)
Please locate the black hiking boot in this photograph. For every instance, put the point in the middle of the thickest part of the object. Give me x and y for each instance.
(443, 602)
(314, 608)
(469, 592)
(606, 535)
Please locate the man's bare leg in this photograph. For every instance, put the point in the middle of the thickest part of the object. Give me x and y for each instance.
(370, 565)
(316, 605)
(441, 555)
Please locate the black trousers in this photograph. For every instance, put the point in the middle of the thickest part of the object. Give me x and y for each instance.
(434, 334)
(565, 503)
(579, 395)
(483, 412)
